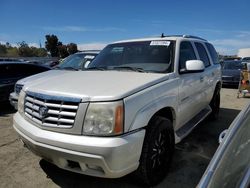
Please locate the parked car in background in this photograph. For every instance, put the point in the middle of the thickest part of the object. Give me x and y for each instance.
(77, 61)
(230, 165)
(231, 71)
(246, 59)
(50, 63)
(4, 59)
(11, 71)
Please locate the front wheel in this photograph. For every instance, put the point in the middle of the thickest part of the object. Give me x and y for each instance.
(157, 151)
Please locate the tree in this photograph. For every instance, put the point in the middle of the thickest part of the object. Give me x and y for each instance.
(63, 51)
(72, 48)
(51, 44)
(41, 52)
(24, 50)
(12, 52)
(3, 50)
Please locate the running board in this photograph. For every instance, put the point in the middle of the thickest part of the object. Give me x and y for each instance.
(189, 126)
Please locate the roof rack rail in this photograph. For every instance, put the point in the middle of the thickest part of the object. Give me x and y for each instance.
(186, 36)
(195, 37)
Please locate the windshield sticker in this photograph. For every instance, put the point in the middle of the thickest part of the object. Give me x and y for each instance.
(159, 43)
(89, 57)
(117, 49)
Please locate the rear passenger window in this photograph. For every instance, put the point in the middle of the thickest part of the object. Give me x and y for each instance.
(202, 53)
(186, 53)
(213, 53)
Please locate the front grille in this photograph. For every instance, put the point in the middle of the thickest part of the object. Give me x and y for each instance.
(51, 111)
(18, 88)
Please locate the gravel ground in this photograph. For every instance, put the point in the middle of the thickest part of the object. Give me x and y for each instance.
(20, 168)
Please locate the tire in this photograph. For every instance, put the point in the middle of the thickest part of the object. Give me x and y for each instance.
(215, 105)
(157, 151)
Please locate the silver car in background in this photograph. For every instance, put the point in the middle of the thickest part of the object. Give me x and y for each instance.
(230, 165)
(77, 61)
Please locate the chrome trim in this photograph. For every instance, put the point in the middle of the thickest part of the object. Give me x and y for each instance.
(61, 111)
(51, 97)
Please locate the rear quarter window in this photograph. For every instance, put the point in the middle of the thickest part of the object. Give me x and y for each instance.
(202, 53)
(213, 53)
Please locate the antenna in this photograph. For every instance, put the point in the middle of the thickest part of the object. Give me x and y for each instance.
(40, 44)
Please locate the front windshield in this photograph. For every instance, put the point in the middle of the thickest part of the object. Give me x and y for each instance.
(77, 61)
(233, 65)
(146, 56)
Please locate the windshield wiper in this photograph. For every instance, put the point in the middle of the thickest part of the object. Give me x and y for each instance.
(136, 69)
(68, 68)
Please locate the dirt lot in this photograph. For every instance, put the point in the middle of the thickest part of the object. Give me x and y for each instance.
(20, 168)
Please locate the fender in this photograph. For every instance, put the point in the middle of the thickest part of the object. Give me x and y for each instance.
(140, 107)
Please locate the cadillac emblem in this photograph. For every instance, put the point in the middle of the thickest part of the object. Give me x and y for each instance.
(43, 111)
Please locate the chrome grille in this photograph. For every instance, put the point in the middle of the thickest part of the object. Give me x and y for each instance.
(51, 111)
(18, 88)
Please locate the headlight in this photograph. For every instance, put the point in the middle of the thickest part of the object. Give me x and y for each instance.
(21, 102)
(104, 119)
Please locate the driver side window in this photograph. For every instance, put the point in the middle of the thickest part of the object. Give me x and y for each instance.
(186, 53)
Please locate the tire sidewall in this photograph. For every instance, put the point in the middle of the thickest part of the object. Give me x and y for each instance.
(156, 126)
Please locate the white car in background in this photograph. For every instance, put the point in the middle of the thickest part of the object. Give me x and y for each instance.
(77, 61)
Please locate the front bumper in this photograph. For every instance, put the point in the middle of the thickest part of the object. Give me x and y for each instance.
(13, 98)
(109, 157)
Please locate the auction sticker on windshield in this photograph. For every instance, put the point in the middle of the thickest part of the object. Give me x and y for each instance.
(159, 43)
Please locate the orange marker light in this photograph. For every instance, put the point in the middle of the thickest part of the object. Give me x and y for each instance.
(119, 120)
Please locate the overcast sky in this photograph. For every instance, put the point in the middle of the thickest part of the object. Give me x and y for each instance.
(94, 23)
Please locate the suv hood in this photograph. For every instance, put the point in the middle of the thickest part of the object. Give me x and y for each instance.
(91, 85)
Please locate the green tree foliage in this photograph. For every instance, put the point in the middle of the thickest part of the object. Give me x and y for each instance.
(12, 52)
(63, 51)
(24, 50)
(72, 48)
(41, 52)
(3, 49)
(51, 44)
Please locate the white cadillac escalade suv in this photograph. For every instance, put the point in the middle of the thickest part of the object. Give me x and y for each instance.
(126, 111)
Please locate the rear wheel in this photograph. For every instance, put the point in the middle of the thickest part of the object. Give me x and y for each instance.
(157, 152)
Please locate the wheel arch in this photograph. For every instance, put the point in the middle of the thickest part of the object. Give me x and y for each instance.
(218, 85)
(166, 112)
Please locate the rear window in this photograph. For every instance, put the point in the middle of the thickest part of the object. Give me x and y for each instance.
(213, 53)
(232, 65)
(202, 53)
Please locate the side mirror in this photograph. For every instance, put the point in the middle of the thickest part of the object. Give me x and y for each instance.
(195, 66)
(222, 135)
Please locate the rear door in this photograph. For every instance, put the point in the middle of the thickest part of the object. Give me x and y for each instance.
(190, 85)
(208, 75)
